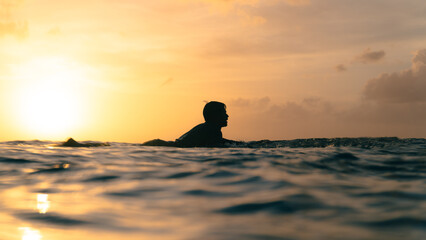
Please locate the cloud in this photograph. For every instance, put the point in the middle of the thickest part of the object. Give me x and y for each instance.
(298, 2)
(255, 2)
(240, 7)
(316, 117)
(419, 60)
(406, 86)
(54, 31)
(228, 5)
(19, 30)
(260, 118)
(8, 24)
(341, 68)
(369, 56)
(393, 104)
(225, 47)
(167, 82)
(256, 104)
(248, 19)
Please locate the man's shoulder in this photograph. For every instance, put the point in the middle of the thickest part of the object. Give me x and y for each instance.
(205, 128)
(194, 131)
(199, 128)
(203, 134)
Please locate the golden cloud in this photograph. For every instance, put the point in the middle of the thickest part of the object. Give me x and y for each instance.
(400, 87)
(9, 24)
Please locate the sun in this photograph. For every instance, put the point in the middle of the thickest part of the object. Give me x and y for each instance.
(47, 99)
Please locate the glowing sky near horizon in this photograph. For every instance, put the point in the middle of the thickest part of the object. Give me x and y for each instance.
(137, 70)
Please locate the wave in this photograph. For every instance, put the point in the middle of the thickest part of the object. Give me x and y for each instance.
(362, 142)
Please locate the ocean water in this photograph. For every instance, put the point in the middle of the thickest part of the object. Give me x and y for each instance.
(364, 188)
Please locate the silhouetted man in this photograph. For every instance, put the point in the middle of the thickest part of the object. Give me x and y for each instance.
(207, 134)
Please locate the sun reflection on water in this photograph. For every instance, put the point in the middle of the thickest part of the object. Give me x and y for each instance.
(43, 203)
(30, 234)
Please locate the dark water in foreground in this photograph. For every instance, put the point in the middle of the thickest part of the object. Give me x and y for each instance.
(319, 189)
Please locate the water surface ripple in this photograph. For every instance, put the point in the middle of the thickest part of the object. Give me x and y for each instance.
(301, 189)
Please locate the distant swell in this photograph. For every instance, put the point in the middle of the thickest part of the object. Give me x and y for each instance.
(362, 142)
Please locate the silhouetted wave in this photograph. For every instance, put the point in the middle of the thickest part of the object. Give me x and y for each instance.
(363, 142)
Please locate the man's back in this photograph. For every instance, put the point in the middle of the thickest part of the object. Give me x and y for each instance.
(202, 135)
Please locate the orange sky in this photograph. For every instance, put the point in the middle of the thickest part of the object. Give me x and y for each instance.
(136, 70)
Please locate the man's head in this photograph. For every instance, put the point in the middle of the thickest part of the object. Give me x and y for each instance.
(215, 112)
